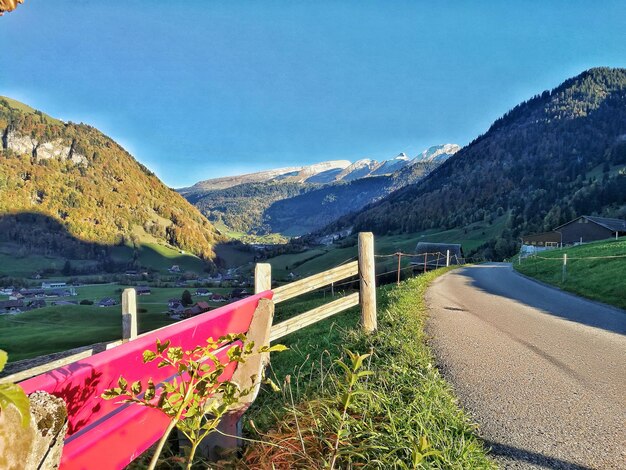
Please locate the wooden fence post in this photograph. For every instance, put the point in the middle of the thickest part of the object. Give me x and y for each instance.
(129, 315)
(399, 261)
(262, 277)
(564, 274)
(367, 275)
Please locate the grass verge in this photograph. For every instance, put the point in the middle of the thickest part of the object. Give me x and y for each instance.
(590, 271)
(397, 416)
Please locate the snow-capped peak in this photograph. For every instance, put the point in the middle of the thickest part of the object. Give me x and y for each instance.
(437, 153)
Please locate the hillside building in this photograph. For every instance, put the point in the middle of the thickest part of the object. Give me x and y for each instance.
(586, 229)
(53, 285)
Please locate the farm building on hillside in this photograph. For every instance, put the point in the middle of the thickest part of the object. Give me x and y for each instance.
(542, 241)
(434, 255)
(590, 229)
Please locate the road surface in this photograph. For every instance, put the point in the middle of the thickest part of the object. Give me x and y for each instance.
(541, 371)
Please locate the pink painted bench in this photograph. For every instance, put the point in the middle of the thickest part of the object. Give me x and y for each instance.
(106, 435)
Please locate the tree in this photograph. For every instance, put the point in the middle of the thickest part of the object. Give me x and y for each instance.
(67, 268)
(186, 298)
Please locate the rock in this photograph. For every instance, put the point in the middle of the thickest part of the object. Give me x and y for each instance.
(54, 149)
(38, 446)
(19, 144)
(41, 150)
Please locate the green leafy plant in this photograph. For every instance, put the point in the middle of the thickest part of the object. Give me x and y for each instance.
(353, 374)
(12, 394)
(196, 399)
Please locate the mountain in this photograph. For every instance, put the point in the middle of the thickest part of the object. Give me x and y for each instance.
(66, 186)
(556, 156)
(437, 153)
(295, 201)
(299, 174)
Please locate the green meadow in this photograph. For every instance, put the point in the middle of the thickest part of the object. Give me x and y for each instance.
(591, 272)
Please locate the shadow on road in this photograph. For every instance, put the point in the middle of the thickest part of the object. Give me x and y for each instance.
(500, 279)
(523, 455)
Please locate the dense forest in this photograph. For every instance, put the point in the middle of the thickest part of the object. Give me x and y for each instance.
(556, 156)
(242, 207)
(85, 187)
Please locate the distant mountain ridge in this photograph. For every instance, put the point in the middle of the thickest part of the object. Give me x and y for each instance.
(64, 186)
(325, 172)
(297, 200)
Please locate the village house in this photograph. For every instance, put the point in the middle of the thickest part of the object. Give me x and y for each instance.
(197, 309)
(7, 290)
(239, 294)
(33, 293)
(107, 302)
(203, 292)
(218, 298)
(435, 255)
(143, 290)
(174, 269)
(540, 242)
(176, 309)
(11, 306)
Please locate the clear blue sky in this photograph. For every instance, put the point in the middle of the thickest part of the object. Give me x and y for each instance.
(200, 89)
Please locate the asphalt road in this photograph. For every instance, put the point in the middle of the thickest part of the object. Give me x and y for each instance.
(542, 372)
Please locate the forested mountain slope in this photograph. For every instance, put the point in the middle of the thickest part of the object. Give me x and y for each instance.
(556, 156)
(64, 184)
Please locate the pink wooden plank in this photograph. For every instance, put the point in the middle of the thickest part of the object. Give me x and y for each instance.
(114, 434)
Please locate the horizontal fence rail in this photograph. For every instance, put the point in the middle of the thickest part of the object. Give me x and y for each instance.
(309, 284)
(313, 316)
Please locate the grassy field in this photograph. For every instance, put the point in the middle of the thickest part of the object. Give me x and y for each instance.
(598, 279)
(15, 264)
(58, 328)
(321, 259)
(28, 110)
(404, 401)
(233, 256)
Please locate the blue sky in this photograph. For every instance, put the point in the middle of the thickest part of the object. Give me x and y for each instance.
(200, 89)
